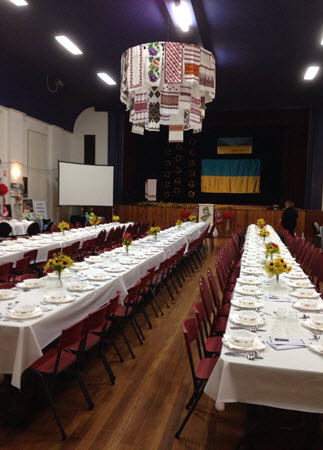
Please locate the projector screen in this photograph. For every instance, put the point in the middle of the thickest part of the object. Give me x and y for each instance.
(84, 185)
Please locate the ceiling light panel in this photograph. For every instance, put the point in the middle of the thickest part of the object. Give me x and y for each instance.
(311, 72)
(19, 2)
(69, 45)
(106, 78)
(182, 14)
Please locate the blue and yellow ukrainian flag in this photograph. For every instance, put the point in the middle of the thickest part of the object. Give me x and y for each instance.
(234, 145)
(234, 176)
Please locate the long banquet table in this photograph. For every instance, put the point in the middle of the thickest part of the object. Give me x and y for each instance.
(21, 342)
(289, 379)
(13, 250)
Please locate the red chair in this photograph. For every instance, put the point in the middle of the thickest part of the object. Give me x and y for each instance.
(223, 310)
(114, 302)
(87, 223)
(8, 285)
(27, 276)
(22, 267)
(127, 311)
(50, 255)
(68, 250)
(32, 254)
(72, 226)
(95, 329)
(56, 360)
(217, 324)
(201, 373)
(78, 225)
(55, 229)
(5, 271)
(211, 345)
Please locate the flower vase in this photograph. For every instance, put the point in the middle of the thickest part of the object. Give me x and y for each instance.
(227, 227)
(127, 249)
(155, 237)
(63, 231)
(60, 282)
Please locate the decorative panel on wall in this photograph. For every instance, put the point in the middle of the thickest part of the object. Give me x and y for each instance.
(180, 172)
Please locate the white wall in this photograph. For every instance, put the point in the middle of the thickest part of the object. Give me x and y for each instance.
(91, 122)
(60, 144)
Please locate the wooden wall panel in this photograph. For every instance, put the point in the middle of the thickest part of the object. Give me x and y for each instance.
(242, 217)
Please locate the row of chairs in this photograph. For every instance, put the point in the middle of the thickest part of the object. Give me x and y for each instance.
(309, 257)
(211, 315)
(100, 325)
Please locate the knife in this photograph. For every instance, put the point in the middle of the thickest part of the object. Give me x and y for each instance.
(243, 355)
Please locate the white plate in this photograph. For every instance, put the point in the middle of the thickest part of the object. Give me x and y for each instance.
(14, 249)
(248, 290)
(102, 277)
(36, 313)
(295, 276)
(234, 317)
(7, 294)
(309, 324)
(66, 299)
(256, 345)
(114, 269)
(93, 259)
(236, 302)
(316, 307)
(25, 286)
(305, 293)
(77, 267)
(87, 287)
(250, 281)
(316, 347)
(300, 284)
(252, 270)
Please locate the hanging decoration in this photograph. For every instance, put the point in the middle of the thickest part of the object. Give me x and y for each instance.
(167, 83)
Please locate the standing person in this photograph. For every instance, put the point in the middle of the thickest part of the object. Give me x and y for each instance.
(289, 217)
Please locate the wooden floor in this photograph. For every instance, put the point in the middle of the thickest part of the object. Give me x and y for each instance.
(145, 407)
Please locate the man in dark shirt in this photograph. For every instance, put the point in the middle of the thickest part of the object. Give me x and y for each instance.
(289, 217)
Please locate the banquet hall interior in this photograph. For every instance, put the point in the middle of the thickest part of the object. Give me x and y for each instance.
(161, 224)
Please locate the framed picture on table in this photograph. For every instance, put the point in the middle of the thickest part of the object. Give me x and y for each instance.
(206, 213)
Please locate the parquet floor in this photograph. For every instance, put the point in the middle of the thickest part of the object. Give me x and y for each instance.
(145, 407)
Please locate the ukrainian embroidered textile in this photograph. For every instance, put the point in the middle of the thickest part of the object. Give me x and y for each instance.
(167, 83)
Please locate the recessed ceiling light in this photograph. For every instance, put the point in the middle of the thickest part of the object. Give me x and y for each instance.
(106, 78)
(182, 14)
(69, 45)
(311, 72)
(19, 2)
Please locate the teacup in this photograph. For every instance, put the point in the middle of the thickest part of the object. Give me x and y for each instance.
(318, 320)
(248, 317)
(243, 338)
(247, 301)
(23, 310)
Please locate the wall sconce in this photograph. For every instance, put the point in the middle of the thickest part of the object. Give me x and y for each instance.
(15, 172)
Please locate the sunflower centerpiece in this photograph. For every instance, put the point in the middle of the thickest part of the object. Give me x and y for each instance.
(94, 220)
(271, 249)
(261, 223)
(179, 223)
(115, 218)
(192, 218)
(63, 226)
(264, 233)
(276, 267)
(154, 232)
(58, 264)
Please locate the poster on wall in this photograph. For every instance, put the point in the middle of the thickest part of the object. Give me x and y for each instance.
(27, 205)
(206, 213)
(40, 208)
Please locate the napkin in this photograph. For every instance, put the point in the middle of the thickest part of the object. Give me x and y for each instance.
(277, 298)
(284, 343)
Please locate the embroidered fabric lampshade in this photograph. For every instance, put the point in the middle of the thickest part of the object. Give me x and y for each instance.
(167, 83)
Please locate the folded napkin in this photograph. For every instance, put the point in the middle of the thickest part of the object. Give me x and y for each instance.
(277, 298)
(283, 343)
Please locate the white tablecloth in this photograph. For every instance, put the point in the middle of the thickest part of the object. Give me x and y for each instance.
(289, 379)
(46, 242)
(21, 343)
(19, 227)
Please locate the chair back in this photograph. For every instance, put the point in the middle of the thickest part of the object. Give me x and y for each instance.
(27, 276)
(97, 318)
(201, 322)
(5, 271)
(214, 289)
(191, 334)
(133, 295)
(5, 229)
(8, 285)
(87, 223)
(55, 229)
(33, 229)
(114, 302)
(32, 255)
(68, 250)
(51, 253)
(72, 226)
(22, 265)
(78, 225)
(70, 337)
(209, 308)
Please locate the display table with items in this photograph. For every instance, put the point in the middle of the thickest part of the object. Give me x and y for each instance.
(272, 352)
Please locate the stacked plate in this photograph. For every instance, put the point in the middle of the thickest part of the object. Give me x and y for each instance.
(247, 318)
(24, 311)
(243, 340)
(59, 298)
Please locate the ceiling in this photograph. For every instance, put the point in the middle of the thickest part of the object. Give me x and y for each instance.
(262, 49)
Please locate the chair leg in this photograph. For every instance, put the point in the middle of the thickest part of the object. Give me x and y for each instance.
(162, 294)
(135, 330)
(52, 405)
(175, 287)
(146, 316)
(138, 326)
(198, 395)
(168, 289)
(107, 365)
(156, 300)
(84, 388)
(116, 349)
(126, 341)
